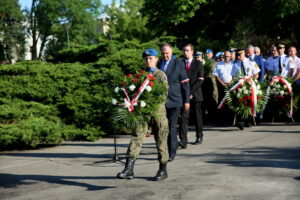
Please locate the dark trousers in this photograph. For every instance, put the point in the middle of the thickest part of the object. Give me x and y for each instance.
(173, 114)
(184, 123)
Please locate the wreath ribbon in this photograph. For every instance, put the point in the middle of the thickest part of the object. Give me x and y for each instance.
(131, 103)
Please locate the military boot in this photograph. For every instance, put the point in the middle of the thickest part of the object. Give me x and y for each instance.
(162, 173)
(127, 173)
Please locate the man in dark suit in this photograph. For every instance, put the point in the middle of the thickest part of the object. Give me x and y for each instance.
(178, 94)
(195, 72)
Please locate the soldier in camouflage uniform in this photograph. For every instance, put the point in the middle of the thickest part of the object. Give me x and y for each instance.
(159, 126)
(210, 89)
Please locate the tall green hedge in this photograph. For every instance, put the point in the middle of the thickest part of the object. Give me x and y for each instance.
(48, 103)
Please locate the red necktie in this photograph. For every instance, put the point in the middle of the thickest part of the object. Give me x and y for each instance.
(187, 66)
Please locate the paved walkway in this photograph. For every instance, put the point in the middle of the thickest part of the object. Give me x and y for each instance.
(259, 163)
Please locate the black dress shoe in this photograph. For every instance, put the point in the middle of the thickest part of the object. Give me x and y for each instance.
(182, 145)
(198, 140)
(240, 126)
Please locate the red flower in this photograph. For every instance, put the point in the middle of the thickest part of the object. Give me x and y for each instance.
(150, 76)
(151, 84)
(124, 83)
(135, 80)
(137, 75)
(129, 75)
(259, 97)
(142, 71)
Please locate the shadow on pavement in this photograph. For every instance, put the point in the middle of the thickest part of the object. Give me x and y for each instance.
(62, 155)
(145, 145)
(12, 180)
(288, 158)
(275, 131)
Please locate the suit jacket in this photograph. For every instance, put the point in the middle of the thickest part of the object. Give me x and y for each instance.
(261, 63)
(196, 76)
(179, 88)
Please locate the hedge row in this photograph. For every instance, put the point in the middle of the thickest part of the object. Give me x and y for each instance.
(47, 103)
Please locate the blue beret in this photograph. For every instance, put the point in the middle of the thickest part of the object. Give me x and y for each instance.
(209, 51)
(149, 52)
(219, 54)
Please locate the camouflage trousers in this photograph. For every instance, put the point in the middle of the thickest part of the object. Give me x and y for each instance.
(160, 130)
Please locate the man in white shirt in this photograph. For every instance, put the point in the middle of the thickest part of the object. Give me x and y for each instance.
(293, 63)
(222, 72)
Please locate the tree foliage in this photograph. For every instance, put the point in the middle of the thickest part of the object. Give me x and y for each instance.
(126, 21)
(11, 30)
(55, 19)
(219, 24)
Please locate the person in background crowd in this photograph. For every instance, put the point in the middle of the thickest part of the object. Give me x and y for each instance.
(219, 57)
(244, 67)
(195, 71)
(258, 60)
(232, 51)
(294, 63)
(198, 56)
(159, 127)
(257, 51)
(271, 63)
(283, 59)
(223, 76)
(209, 88)
(223, 72)
(209, 54)
(178, 94)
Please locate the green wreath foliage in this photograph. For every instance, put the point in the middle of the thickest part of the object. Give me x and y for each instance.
(148, 103)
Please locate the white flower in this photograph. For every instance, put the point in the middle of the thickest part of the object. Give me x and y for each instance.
(278, 86)
(143, 104)
(132, 87)
(126, 103)
(148, 88)
(117, 90)
(286, 93)
(259, 92)
(284, 86)
(239, 90)
(276, 93)
(238, 95)
(258, 87)
(245, 91)
(281, 92)
(114, 102)
(244, 88)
